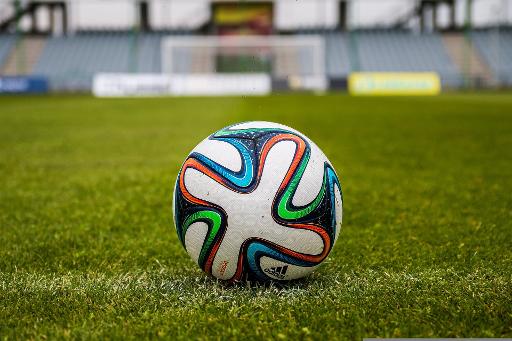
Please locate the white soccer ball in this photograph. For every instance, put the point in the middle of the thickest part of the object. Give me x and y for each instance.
(257, 201)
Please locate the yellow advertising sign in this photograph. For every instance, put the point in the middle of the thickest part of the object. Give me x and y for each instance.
(231, 15)
(394, 84)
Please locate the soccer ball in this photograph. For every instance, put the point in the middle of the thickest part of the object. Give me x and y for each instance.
(257, 201)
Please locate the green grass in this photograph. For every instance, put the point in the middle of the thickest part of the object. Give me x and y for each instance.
(88, 248)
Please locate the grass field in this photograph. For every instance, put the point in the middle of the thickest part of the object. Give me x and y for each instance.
(88, 247)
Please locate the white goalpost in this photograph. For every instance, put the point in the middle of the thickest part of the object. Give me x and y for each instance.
(244, 64)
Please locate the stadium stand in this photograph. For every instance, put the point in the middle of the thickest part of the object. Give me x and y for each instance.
(468, 59)
(496, 49)
(7, 41)
(71, 62)
(401, 51)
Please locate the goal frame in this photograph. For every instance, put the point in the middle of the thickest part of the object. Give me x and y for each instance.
(317, 80)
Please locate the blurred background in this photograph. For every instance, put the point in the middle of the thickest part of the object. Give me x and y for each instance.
(180, 47)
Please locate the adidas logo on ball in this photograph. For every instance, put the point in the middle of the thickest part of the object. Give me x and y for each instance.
(277, 271)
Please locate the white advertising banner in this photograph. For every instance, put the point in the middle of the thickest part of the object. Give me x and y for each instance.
(129, 85)
(222, 84)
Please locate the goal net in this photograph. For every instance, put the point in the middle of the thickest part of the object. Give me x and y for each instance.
(295, 62)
